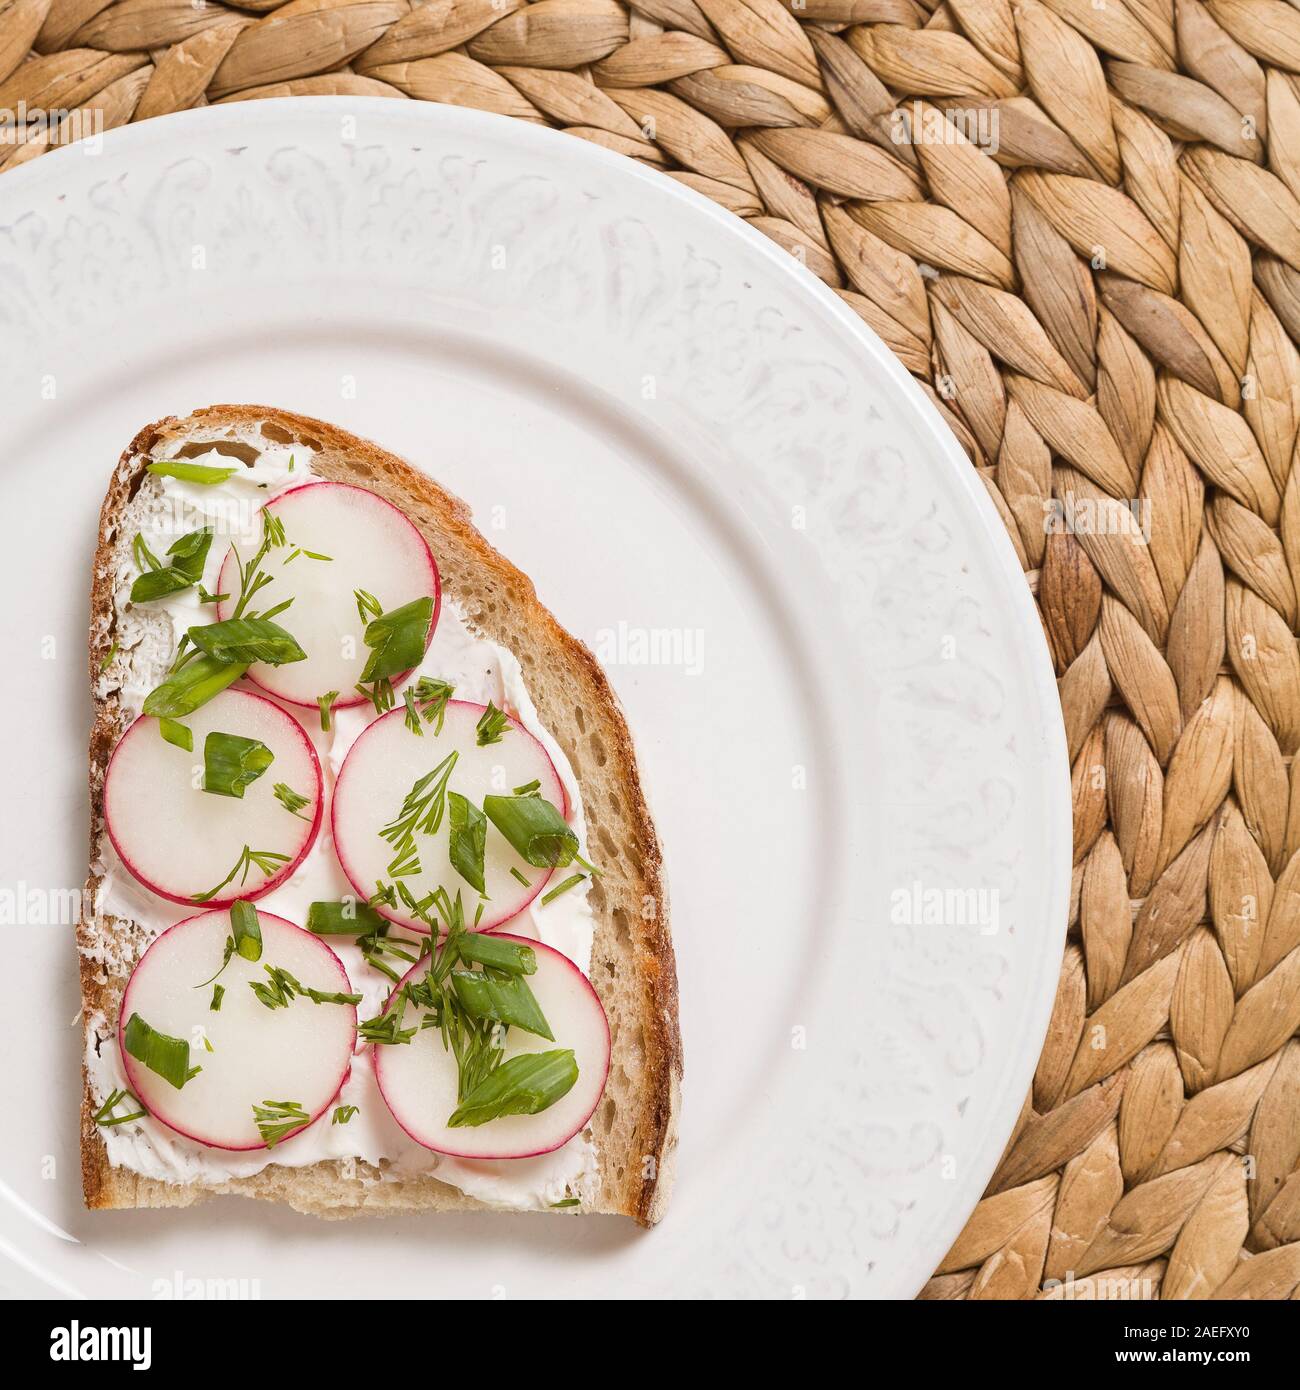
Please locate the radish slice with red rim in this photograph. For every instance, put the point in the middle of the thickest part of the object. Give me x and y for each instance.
(369, 545)
(181, 841)
(418, 1079)
(380, 771)
(249, 1054)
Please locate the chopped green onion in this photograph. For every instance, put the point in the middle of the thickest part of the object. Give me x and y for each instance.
(509, 1001)
(193, 685)
(290, 800)
(344, 1113)
(160, 583)
(169, 1057)
(481, 948)
(176, 733)
(528, 788)
(104, 1115)
(534, 828)
(467, 839)
(247, 640)
(346, 918)
(277, 1119)
(568, 1202)
(397, 640)
(563, 888)
(247, 929)
(525, 1085)
(190, 552)
(218, 994)
(514, 871)
(492, 726)
(232, 762)
(202, 473)
(108, 660)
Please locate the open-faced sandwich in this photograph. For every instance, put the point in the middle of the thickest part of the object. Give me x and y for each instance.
(376, 916)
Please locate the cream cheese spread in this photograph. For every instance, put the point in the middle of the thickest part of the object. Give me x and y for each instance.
(164, 509)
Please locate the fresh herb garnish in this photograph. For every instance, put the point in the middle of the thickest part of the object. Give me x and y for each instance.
(386, 1030)
(492, 726)
(247, 640)
(290, 800)
(252, 577)
(467, 839)
(193, 685)
(380, 694)
(348, 917)
(310, 554)
(344, 1113)
(368, 606)
(176, 733)
(535, 829)
(500, 998)
(283, 989)
(525, 1085)
(514, 871)
(205, 597)
(246, 929)
(563, 888)
(108, 660)
(265, 859)
(144, 558)
(529, 788)
(427, 699)
(104, 1115)
(232, 762)
(510, 957)
(188, 556)
(568, 1202)
(218, 994)
(397, 639)
(203, 473)
(326, 704)
(169, 1057)
(422, 811)
(227, 952)
(277, 1119)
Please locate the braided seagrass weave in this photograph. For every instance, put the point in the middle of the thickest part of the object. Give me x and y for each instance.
(1077, 222)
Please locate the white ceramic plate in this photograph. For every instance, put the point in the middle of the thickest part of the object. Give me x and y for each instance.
(676, 430)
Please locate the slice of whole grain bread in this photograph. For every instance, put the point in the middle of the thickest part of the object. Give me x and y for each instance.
(632, 968)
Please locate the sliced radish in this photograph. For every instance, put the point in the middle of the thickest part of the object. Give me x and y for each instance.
(418, 1079)
(250, 1054)
(181, 841)
(371, 546)
(380, 770)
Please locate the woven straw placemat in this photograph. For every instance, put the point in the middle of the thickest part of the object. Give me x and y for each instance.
(1077, 222)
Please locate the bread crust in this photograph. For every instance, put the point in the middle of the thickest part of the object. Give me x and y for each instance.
(637, 1158)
